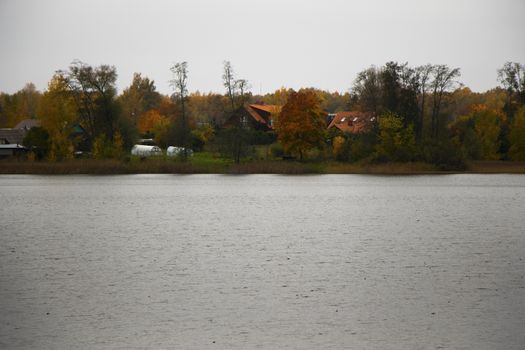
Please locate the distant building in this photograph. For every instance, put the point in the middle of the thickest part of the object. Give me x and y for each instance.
(16, 135)
(12, 136)
(11, 139)
(255, 116)
(11, 149)
(27, 124)
(352, 122)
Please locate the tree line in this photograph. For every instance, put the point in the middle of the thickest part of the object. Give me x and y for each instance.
(423, 113)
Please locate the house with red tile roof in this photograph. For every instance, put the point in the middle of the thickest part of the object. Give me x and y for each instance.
(352, 122)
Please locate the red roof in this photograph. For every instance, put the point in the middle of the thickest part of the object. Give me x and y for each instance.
(267, 108)
(352, 122)
(255, 115)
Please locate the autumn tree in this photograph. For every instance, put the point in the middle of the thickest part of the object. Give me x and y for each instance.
(141, 96)
(210, 108)
(58, 115)
(278, 97)
(147, 121)
(21, 105)
(487, 124)
(396, 142)
(300, 126)
(478, 133)
(161, 131)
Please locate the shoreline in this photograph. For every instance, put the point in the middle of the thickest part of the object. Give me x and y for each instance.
(160, 166)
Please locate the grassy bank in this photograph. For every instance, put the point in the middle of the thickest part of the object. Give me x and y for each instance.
(496, 167)
(206, 164)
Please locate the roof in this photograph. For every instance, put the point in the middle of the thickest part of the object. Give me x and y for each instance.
(8, 136)
(267, 108)
(260, 115)
(353, 122)
(12, 146)
(255, 115)
(27, 124)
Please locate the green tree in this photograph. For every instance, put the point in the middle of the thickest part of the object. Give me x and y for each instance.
(368, 90)
(37, 141)
(464, 137)
(94, 92)
(396, 142)
(517, 136)
(300, 126)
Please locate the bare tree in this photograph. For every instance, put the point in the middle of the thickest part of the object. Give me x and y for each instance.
(423, 74)
(229, 83)
(443, 81)
(179, 84)
(236, 90)
(367, 86)
(512, 77)
(242, 86)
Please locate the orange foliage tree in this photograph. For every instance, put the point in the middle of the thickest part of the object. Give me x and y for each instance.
(300, 125)
(147, 121)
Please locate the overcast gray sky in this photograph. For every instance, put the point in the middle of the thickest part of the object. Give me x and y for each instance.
(272, 43)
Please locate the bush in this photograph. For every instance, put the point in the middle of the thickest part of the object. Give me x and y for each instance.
(38, 142)
(277, 150)
(444, 154)
(103, 148)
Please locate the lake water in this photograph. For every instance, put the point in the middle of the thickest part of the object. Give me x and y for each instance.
(262, 262)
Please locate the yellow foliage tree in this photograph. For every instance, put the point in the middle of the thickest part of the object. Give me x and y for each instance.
(396, 142)
(338, 144)
(57, 112)
(161, 130)
(300, 125)
(487, 125)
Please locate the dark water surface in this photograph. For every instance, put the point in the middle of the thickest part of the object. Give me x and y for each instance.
(262, 262)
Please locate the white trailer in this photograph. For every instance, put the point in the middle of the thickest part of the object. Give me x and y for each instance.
(145, 151)
(174, 151)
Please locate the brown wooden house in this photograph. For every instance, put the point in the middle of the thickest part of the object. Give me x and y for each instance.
(255, 116)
